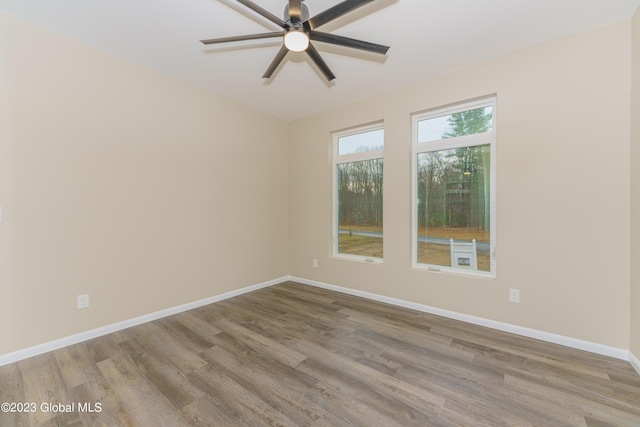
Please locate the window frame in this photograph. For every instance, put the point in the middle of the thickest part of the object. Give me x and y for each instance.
(351, 158)
(448, 144)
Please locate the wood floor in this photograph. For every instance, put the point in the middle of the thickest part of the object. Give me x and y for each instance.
(294, 355)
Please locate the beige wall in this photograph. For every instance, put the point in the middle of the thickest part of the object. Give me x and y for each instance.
(123, 183)
(563, 190)
(635, 189)
(148, 193)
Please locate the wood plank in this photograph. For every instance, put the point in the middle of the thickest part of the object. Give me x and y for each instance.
(265, 376)
(166, 378)
(295, 355)
(12, 391)
(236, 401)
(402, 391)
(357, 410)
(44, 385)
(109, 413)
(261, 343)
(76, 365)
(156, 340)
(574, 401)
(274, 382)
(142, 403)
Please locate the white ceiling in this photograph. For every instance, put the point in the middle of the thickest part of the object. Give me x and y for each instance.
(427, 38)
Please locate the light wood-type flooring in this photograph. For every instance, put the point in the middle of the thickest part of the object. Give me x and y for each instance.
(295, 355)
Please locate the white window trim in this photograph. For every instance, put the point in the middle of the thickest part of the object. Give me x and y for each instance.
(450, 143)
(350, 158)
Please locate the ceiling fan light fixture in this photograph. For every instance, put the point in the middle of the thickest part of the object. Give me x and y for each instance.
(296, 40)
(297, 30)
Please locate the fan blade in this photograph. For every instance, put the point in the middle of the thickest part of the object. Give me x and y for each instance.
(276, 61)
(271, 17)
(317, 59)
(335, 12)
(295, 10)
(241, 38)
(347, 42)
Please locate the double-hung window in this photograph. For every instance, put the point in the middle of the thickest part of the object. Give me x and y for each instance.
(454, 188)
(358, 208)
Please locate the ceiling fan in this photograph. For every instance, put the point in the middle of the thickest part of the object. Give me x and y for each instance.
(298, 30)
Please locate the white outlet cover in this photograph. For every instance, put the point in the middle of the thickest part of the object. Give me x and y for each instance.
(83, 301)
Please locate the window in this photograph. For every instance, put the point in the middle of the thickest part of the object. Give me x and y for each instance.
(454, 189)
(358, 212)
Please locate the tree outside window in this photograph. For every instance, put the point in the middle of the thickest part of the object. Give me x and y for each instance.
(358, 169)
(453, 188)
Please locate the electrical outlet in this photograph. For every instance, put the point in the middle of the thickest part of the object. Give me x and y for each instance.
(514, 295)
(315, 263)
(83, 301)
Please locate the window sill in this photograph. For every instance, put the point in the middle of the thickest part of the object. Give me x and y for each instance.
(357, 258)
(454, 271)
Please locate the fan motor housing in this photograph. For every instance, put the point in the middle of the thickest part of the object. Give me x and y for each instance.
(304, 15)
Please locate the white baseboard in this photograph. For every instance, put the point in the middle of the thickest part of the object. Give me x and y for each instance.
(634, 362)
(16, 356)
(506, 327)
(501, 326)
